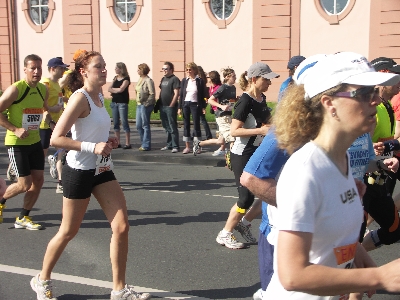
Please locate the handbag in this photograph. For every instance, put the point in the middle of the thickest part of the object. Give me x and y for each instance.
(157, 106)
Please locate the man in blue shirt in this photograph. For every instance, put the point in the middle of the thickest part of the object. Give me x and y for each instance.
(293, 63)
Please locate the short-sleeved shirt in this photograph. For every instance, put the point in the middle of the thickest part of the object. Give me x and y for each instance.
(361, 152)
(167, 86)
(226, 95)
(396, 106)
(121, 97)
(253, 114)
(55, 97)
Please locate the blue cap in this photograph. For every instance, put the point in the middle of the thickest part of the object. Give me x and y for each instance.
(56, 62)
(295, 61)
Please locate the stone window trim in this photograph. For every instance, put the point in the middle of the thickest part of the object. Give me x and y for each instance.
(222, 23)
(38, 28)
(121, 25)
(334, 19)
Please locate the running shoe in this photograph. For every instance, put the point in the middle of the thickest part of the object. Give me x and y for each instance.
(26, 223)
(218, 152)
(196, 147)
(53, 166)
(246, 232)
(59, 189)
(11, 175)
(229, 241)
(165, 148)
(128, 293)
(257, 295)
(2, 206)
(43, 289)
(174, 150)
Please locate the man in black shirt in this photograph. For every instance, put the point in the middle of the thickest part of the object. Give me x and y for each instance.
(170, 85)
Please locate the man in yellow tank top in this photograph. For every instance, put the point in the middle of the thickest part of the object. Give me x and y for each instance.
(26, 101)
(55, 105)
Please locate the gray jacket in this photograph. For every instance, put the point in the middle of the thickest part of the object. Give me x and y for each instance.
(147, 92)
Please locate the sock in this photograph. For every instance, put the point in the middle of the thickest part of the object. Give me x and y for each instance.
(245, 222)
(3, 201)
(117, 292)
(60, 182)
(24, 212)
(225, 232)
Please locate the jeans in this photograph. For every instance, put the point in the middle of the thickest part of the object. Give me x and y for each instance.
(143, 124)
(120, 110)
(191, 108)
(168, 117)
(203, 122)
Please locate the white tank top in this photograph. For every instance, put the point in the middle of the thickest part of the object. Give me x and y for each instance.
(94, 128)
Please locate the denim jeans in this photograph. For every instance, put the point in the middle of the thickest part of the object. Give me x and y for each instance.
(143, 124)
(191, 108)
(120, 111)
(168, 117)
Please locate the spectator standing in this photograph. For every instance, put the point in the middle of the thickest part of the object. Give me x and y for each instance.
(191, 102)
(55, 106)
(119, 105)
(25, 101)
(203, 119)
(169, 94)
(145, 100)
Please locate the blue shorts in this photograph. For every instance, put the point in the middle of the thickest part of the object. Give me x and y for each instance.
(265, 260)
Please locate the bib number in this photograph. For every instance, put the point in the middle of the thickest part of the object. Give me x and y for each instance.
(31, 118)
(258, 140)
(103, 164)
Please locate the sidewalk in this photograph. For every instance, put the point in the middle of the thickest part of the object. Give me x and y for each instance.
(158, 140)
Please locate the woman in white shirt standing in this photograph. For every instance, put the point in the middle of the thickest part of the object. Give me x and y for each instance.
(88, 170)
(319, 208)
(191, 102)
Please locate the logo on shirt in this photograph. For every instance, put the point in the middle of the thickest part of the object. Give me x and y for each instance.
(348, 196)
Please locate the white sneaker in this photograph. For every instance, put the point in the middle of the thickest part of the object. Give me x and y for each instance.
(174, 150)
(245, 231)
(59, 189)
(11, 173)
(228, 241)
(128, 293)
(43, 289)
(53, 166)
(164, 148)
(218, 152)
(257, 295)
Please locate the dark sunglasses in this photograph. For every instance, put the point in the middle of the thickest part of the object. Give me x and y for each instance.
(164, 69)
(365, 94)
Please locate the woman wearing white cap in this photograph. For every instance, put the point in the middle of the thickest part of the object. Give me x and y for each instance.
(249, 125)
(319, 206)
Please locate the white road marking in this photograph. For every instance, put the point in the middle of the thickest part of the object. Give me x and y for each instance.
(97, 283)
(167, 191)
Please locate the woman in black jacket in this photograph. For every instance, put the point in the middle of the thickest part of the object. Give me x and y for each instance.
(191, 102)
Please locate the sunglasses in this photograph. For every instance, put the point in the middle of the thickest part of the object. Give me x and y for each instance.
(164, 69)
(188, 70)
(365, 94)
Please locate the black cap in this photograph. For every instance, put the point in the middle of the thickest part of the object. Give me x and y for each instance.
(385, 63)
(56, 62)
(295, 61)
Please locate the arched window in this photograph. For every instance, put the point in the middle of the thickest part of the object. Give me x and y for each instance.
(38, 13)
(124, 12)
(222, 12)
(334, 10)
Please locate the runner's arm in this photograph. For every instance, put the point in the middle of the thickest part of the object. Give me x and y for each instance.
(6, 100)
(264, 189)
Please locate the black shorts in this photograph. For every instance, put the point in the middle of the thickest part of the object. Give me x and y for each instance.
(25, 158)
(78, 184)
(45, 135)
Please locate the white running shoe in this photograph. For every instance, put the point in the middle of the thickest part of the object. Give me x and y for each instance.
(246, 232)
(43, 289)
(11, 175)
(229, 241)
(257, 295)
(128, 293)
(53, 166)
(218, 152)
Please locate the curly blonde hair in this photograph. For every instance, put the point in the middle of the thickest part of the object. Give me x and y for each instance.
(296, 120)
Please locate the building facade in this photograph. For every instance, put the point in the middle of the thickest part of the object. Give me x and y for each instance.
(212, 33)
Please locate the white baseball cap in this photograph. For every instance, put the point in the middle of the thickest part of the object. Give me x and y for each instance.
(305, 66)
(344, 67)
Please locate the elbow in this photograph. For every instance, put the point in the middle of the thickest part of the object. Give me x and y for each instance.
(288, 282)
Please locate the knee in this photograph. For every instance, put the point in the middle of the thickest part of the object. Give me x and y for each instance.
(246, 198)
(24, 184)
(120, 228)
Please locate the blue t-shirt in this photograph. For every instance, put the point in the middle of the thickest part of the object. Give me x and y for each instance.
(284, 86)
(361, 152)
(267, 162)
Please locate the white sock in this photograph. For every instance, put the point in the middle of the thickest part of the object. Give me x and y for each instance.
(118, 292)
(225, 232)
(245, 222)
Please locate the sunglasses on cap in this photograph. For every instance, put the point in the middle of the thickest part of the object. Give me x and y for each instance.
(365, 94)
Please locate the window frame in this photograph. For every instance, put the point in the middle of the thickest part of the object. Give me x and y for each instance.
(38, 28)
(117, 21)
(334, 19)
(222, 23)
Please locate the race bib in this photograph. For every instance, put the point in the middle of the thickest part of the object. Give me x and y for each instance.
(258, 140)
(103, 164)
(31, 118)
(60, 99)
(344, 259)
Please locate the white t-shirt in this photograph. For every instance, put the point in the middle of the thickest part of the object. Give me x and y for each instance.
(191, 90)
(314, 196)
